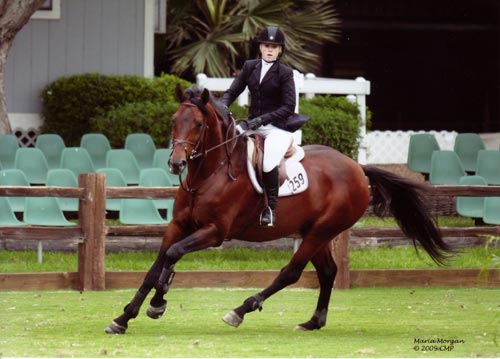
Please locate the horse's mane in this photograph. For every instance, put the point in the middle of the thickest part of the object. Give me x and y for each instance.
(194, 93)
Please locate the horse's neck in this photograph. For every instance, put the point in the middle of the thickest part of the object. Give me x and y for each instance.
(217, 161)
(208, 162)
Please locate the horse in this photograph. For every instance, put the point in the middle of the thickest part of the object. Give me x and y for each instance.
(216, 202)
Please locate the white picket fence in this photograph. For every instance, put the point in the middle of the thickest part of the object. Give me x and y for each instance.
(390, 147)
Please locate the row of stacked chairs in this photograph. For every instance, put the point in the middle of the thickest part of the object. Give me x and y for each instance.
(30, 166)
(468, 164)
(94, 153)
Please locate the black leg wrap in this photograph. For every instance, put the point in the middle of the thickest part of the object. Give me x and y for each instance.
(166, 278)
(235, 317)
(249, 305)
(158, 305)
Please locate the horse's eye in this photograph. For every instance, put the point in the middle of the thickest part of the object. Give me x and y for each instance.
(199, 125)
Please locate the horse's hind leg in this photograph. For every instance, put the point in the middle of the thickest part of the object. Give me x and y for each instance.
(288, 275)
(120, 324)
(326, 270)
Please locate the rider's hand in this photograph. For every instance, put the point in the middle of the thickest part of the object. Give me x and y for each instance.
(239, 129)
(254, 123)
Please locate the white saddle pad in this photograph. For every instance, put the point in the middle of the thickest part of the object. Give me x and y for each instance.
(296, 176)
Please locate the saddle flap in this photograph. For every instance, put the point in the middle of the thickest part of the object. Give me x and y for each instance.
(293, 177)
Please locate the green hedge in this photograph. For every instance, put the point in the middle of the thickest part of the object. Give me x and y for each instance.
(153, 118)
(334, 122)
(119, 105)
(70, 102)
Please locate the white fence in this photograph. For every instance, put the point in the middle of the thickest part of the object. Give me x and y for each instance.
(384, 147)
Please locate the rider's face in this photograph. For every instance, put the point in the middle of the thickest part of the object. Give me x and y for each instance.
(270, 52)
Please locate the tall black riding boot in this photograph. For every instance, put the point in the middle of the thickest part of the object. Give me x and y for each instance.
(271, 185)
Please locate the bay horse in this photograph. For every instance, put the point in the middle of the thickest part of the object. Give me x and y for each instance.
(217, 202)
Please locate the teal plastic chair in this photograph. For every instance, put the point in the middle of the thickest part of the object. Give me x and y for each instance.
(14, 177)
(467, 147)
(140, 211)
(44, 211)
(78, 160)
(160, 160)
(471, 206)
(488, 166)
(97, 145)
(143, 148)
(125, 161)
(63, 177)
(491, 212)
(8, 148)
(446, 168)
(52, 146)
(420, 150)
(33, 163)
(114, 178)
(7, 216)
(156, 177)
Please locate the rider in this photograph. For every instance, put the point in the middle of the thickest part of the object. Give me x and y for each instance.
(272, 102)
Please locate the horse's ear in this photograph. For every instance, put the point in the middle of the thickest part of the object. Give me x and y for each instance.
(205, 96)
(179, 93)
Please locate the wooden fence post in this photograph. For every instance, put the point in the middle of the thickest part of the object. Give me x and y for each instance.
(340, 251)
(92, 216)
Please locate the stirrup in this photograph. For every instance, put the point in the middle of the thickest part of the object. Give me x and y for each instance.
(267, 217)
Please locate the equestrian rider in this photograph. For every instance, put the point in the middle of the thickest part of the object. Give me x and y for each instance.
(272, 101)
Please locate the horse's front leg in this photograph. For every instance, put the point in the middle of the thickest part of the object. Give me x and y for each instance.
(203, 238)
(158, 304)
(120, 324)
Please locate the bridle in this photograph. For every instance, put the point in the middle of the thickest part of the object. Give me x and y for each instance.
(231, 138)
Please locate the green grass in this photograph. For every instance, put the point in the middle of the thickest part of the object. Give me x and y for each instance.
(365, 322)
(443, 221)
(247, 259)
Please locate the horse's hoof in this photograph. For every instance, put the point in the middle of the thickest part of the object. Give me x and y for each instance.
(115, 328)
(232, 319)
(308, 326)
(300, 327)
(156, 312)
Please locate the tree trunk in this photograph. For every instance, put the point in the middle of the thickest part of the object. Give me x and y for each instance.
(14, 14)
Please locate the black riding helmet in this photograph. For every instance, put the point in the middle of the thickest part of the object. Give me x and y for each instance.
(271, 35)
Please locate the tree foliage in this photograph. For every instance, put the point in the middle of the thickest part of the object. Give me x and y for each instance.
(213, 36)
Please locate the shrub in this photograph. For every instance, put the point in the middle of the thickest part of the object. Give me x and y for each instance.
(334, 122)
(70, 102)
(153, 118)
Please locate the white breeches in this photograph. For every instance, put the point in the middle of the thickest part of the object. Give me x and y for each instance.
(277, 142)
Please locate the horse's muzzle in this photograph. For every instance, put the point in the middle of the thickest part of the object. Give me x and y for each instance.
(177, 166)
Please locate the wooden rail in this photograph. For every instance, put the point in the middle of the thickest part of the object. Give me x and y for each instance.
(92, 231)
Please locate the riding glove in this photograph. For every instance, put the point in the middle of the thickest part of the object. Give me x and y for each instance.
(252, 124)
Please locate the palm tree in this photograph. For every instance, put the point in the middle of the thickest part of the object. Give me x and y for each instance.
(213, 36)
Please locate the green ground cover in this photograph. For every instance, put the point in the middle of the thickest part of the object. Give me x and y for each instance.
(363, 322)
(248, 259)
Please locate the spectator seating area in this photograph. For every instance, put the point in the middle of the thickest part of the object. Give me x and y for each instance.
(468, 164)
(51, 163)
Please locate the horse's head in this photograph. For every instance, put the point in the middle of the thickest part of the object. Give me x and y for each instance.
(196, 116)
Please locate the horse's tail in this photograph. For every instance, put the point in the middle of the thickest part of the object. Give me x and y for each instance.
(405, 200)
